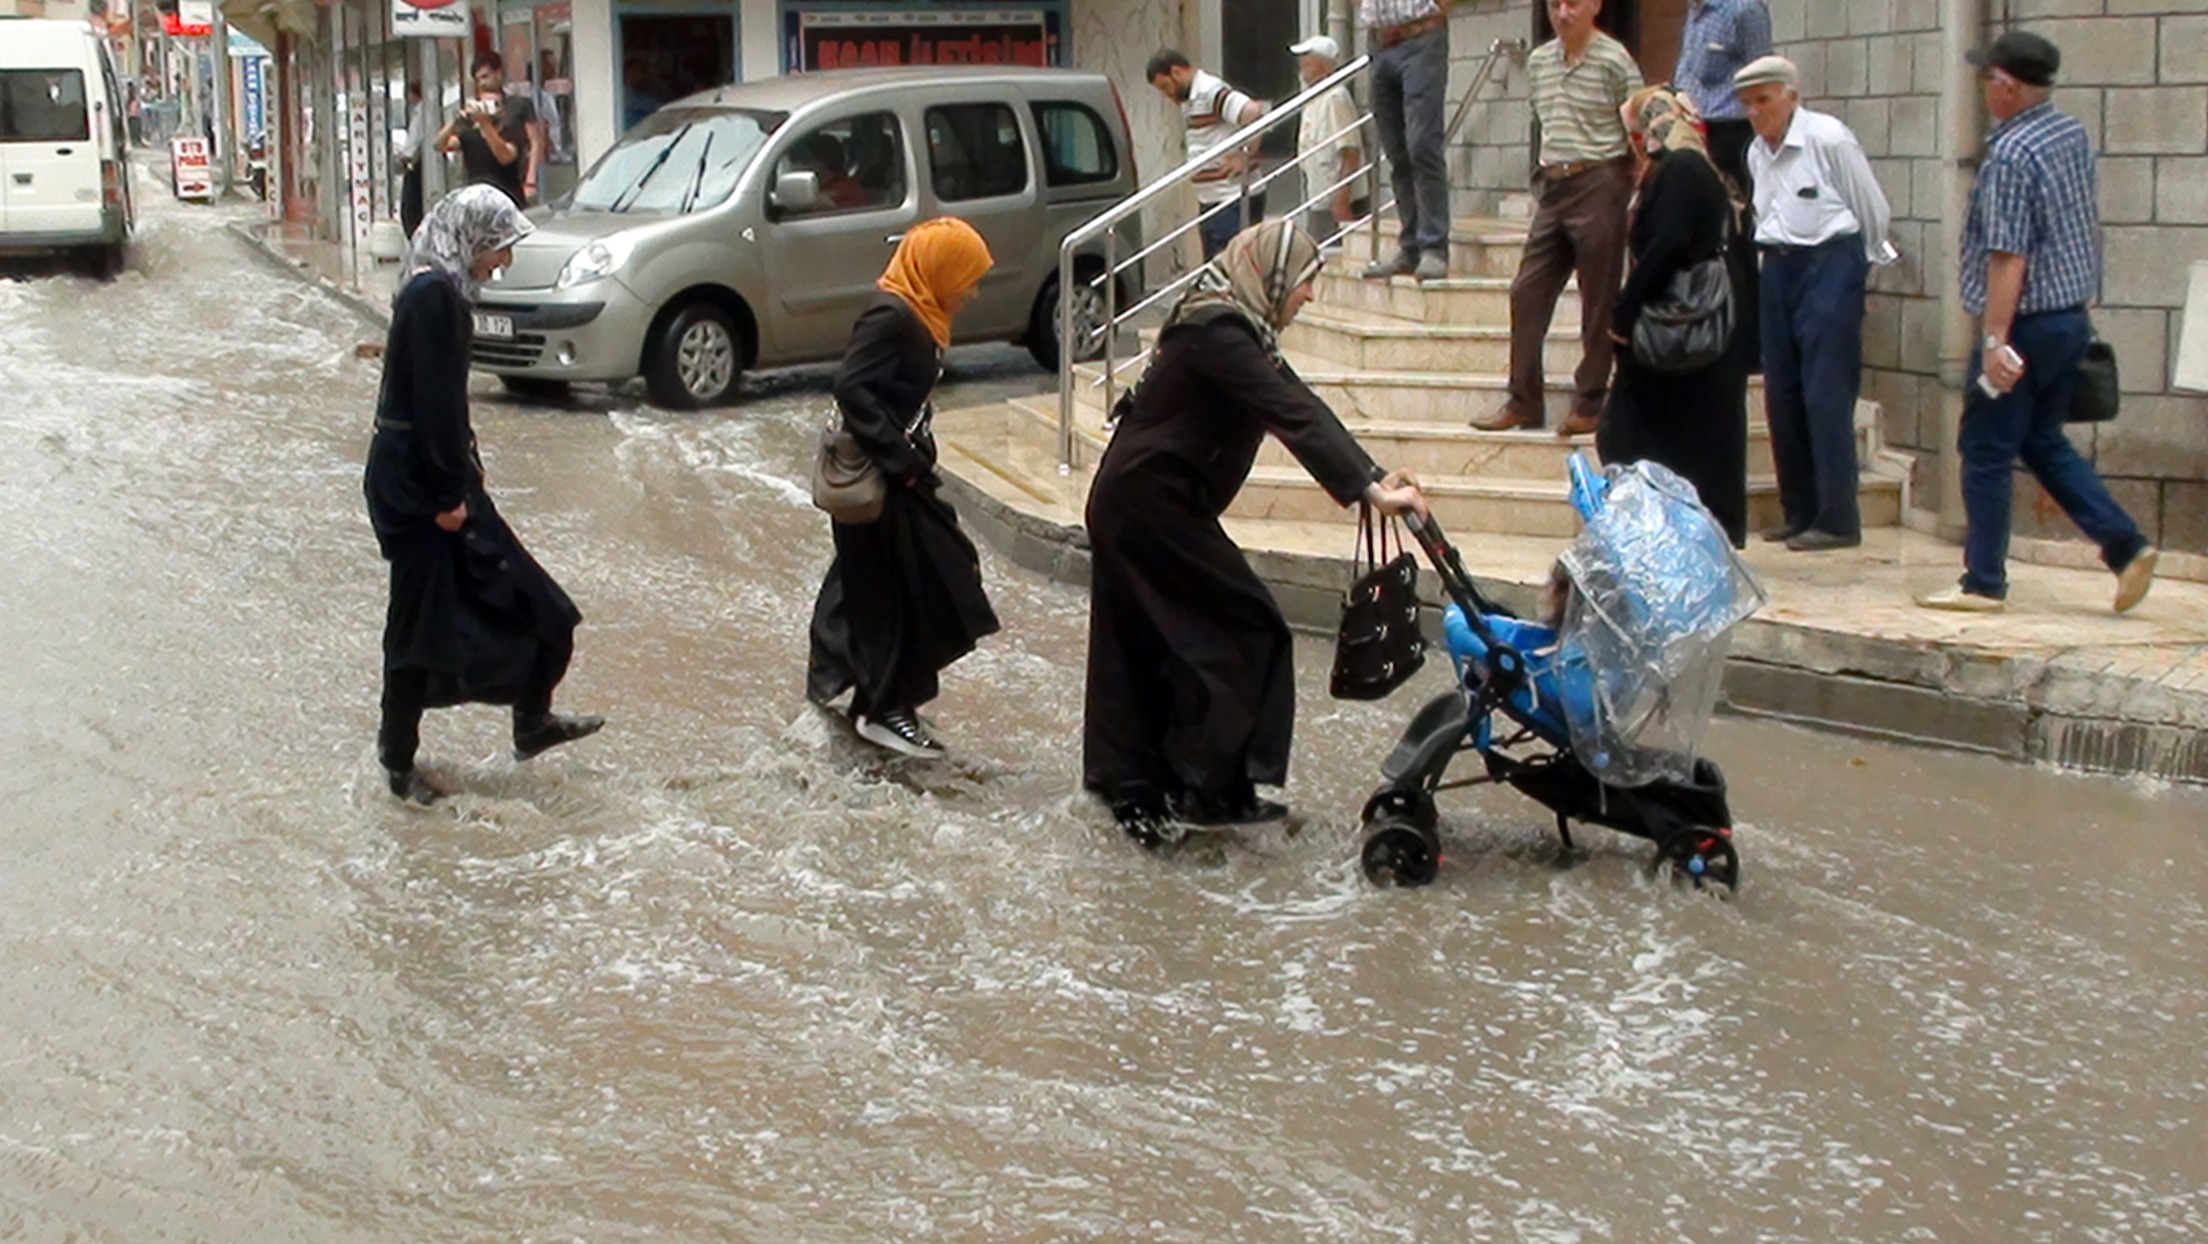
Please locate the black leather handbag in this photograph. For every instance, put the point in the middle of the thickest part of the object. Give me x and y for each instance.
(2100, 391)
(1378, 645)
(1692, 324)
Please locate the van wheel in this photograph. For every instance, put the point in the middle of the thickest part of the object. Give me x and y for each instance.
(105, 263)
(1088, 322)
(535, 388)
(696, 359)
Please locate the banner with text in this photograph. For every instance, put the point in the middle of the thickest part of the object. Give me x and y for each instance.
(429, 19)
(852, 39)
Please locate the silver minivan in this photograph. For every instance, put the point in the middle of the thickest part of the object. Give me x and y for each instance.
(745, 227)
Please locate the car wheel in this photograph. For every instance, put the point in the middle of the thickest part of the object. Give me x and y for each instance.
(696, 360)
(1088, 322)
(535, 388)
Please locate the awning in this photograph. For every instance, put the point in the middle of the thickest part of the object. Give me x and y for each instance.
(262, 19)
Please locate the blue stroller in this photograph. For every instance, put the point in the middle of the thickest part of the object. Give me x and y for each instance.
(1595, 719)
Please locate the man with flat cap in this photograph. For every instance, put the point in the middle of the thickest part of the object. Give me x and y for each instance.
(2031, 263)
(1821, 223)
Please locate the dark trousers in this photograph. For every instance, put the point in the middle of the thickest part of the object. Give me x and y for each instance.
(1409, 84)
(1578, 227)
(1728, 142)
(2026, 423)
(1812, 370)
(406, 693)
(1217, 231)
(410, 199)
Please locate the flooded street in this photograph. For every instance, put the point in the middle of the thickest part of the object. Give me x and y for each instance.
(723, 973)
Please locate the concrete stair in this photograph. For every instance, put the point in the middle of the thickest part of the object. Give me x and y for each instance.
(1406, 366)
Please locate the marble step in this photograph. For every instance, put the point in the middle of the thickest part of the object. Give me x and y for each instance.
(1477, 248)
(1456, 300)
(1362, 341)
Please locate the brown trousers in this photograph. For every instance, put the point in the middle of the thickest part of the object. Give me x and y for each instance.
(1578, 227)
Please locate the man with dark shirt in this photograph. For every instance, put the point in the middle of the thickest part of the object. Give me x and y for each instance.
(494, 134)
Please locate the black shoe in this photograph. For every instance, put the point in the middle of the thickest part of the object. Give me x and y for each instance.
(411, 787)
(1782, 533)
(1815, 541)
(1214, 813)
(1404, 264)
(537, 735)
(899, 731)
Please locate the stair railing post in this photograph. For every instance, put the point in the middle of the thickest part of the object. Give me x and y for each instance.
(1111, 322)
(1065, 356)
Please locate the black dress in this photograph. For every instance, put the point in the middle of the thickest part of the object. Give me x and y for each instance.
(1696, 423)
(1191, 689)
(903, 598)
(472, 617)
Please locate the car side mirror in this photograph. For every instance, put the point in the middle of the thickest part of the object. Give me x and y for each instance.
(796, 192)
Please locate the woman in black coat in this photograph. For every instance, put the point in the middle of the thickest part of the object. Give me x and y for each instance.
(1191, 689)
(903, 598)
(1694, 422)
(472, 617)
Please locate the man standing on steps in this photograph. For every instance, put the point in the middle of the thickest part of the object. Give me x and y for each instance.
(1821, 223)
(1409, 43)
(1329, 144)
(1211, 111)
(2031, 263)
(1719, 40)
(1580, 80)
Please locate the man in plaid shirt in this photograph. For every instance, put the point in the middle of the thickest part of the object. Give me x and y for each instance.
(2031, 263)
(1410, 77)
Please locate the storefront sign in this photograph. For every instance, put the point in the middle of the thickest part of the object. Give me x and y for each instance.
(189, 171)
(253, 94)
(429, 19)
(847, 39)
(196, 15)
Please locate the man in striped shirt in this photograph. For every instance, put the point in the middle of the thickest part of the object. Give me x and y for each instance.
(1585, 180)
(2031, 263)
(1211, 111)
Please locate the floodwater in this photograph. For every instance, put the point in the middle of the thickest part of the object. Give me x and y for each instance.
(722, 973)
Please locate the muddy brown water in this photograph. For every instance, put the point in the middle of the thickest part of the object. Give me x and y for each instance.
(723, 974)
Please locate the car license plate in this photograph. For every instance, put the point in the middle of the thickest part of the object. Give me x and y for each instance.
(500, 326)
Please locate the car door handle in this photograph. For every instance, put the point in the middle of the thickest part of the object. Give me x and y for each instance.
(894, 238)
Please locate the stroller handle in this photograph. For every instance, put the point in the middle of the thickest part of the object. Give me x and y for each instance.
(1506, 664)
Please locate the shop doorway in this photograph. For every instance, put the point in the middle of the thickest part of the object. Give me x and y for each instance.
(1649, 29)
(667, 55)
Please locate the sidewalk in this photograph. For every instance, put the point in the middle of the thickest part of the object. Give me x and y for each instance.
(2059, 678)
(323, 263)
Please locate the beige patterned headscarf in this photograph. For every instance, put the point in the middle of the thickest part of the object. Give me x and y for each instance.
(1661, 119)
(1252, 278)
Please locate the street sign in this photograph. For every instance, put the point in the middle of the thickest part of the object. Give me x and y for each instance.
(430, 19)
(196, 14)
(191, 174)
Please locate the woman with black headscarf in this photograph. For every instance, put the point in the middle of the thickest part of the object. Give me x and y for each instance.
(1191, 689)
(472, 618)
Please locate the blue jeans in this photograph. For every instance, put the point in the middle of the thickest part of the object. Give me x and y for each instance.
(2026, 423)
(1812, 314)
(1409, 83)
(1217, 231)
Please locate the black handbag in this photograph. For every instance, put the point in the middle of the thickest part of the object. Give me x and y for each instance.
(1692, 324)
(1378, 645)
(2099, 392)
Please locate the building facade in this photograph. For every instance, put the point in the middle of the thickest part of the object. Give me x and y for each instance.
(2134, 71)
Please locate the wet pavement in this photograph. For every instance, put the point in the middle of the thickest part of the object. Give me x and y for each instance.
(722, 973)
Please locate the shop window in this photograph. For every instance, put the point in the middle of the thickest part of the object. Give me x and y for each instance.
(665, 57)
(555, 78)
(1077, 148)
(860, 162)
(975, 152)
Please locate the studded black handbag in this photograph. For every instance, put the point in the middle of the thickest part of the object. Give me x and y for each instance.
(1378, 645)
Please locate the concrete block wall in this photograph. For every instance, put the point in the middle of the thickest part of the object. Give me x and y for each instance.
(2135, 73)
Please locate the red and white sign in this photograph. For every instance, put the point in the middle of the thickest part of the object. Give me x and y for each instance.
(430, 19)
(191, 174)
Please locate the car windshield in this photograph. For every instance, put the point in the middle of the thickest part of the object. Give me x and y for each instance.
(676, 160)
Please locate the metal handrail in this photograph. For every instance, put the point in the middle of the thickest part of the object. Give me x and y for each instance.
(1106, 225)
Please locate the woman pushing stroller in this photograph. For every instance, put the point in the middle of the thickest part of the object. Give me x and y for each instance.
(1191, 684)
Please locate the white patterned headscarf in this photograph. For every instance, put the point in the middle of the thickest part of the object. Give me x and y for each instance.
(465, 226)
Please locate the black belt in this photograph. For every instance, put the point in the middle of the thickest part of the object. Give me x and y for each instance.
(392, 425)
(1790, 248)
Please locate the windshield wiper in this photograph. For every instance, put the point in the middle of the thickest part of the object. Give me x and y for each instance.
(626, 197)
(697, 180)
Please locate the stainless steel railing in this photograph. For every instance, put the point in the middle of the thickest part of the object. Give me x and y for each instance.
(1074, 335)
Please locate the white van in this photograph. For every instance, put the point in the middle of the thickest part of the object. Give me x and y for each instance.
(64, 172)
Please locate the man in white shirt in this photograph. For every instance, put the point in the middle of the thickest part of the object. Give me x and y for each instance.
(1329, 146)
(1211, 111)
(1821, 222)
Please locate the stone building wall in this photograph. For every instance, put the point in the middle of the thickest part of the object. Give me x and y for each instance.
(2134, 71)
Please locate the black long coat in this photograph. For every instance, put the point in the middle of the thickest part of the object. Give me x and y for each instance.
(1696, 423)
(903, 598)
(470, 608)
(1191, 686)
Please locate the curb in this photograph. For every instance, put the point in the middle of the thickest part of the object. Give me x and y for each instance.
(256, 236)
(2047, 708)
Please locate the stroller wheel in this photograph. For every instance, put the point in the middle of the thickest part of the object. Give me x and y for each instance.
(1395, 803)
(1704, 857)
(1399, 853)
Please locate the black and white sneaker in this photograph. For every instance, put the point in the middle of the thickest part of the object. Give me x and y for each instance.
(901, 732)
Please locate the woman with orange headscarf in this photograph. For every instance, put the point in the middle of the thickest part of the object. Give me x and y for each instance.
(903, 599)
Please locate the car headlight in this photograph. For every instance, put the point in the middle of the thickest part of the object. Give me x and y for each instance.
(593, 262)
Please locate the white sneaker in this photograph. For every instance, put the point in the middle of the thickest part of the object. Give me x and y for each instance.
(2136, 578)
(1956, 600)
(901, 732)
